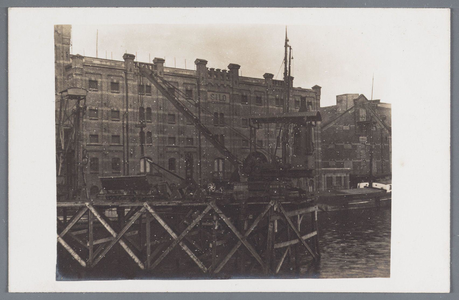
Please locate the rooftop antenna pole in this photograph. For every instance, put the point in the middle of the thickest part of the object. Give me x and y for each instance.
(372, 84)
(286, 97)
(97, 43)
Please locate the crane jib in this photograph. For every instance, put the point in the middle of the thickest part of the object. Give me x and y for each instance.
(190, 116)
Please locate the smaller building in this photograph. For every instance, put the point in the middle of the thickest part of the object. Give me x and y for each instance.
(356, 135)
(335, 178)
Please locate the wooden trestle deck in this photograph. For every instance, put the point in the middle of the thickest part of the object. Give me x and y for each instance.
(264, 234)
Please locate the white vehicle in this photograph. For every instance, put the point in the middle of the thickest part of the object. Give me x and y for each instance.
(376, 185)
(362, 185)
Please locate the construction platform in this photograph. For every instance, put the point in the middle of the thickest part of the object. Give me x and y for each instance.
(211, 238)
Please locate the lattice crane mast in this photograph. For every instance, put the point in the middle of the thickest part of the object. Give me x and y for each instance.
(161, 85)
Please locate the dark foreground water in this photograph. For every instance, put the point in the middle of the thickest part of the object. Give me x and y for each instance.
(354, 244)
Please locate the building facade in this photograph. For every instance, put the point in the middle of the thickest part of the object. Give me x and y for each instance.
(119, 99)
(356, 135)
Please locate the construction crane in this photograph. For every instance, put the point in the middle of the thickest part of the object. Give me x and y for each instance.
(161, 84)
(70, 154)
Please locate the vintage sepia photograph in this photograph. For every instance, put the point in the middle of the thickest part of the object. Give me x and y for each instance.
(170, 150)
(238, 151)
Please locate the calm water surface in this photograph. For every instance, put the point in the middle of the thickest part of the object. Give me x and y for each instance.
(354, 243)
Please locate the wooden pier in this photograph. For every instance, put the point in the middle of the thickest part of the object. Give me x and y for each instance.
(210, 237)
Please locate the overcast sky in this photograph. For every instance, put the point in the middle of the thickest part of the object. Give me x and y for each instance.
(340, 53)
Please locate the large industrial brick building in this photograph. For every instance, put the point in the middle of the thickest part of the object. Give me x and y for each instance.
(119, 99)
(355, 132)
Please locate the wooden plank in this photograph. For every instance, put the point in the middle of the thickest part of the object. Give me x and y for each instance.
(237, 233)
(148, 238)
(281, 262)
(109, 239)
(73, 221)
(269, 245)
(214, 242)
(179, 238)
(113, 233)
(70, 250)
(316, 239)
(301, 211)
(295, 241)
(297, 233)
(246, 234)
(90, 238)
(172, 233)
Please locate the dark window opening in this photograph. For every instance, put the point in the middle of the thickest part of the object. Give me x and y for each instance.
(141, 114)
(116, 139)
(260, 143)
(329, 182)
(93, 113)
(149, 138)
(189, 93)
(141, 89)
(171, 118)
(244, 99)
(149, 115)
(142, 137)
(245, 122)
(115, 87)
(245, 143)
(115, 114)
(116, 165)
(93, 85)
(94, 165)
(297, 141)
(171, 141)
(297, 103)
(216, 122)
(258, 100)
(148, 89)
(93, 138)
(172, 164)
(189, 141)
(222, 119)
(219, 168)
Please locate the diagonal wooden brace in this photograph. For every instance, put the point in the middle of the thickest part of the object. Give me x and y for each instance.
(74, 220)
(178, 239)
(246, 234)
(71, 251)
(117, 237)
(172, 233)
(237, 233)
(297, 233)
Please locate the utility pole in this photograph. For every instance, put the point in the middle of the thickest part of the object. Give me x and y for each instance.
(371, 153)
(287, 65)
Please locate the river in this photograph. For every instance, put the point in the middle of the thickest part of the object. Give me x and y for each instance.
(354, 244)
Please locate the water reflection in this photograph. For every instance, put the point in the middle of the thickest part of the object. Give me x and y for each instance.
(354, 244)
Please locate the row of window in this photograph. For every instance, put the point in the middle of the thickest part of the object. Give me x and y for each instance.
(145, 89)
(93, 85)
(147, 138)
(144, 114)
(339, 181)
(94, 165)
